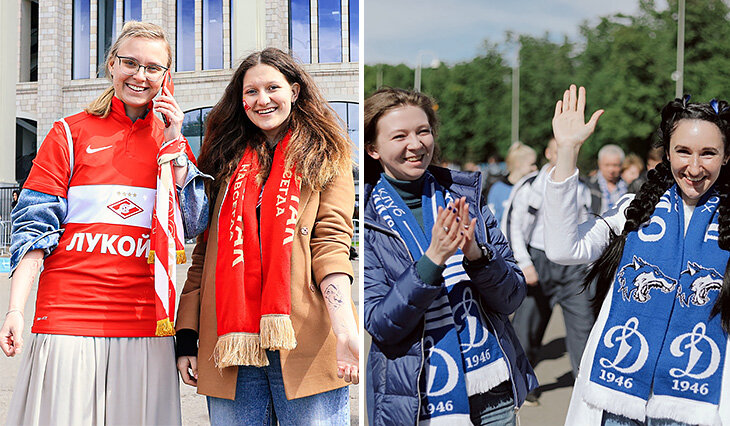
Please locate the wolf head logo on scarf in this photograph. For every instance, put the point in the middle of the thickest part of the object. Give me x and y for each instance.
(702, 280)
(645, 277)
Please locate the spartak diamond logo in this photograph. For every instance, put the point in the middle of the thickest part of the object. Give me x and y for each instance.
(125, 208)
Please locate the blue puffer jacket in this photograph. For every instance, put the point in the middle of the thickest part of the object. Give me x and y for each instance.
(396, 300)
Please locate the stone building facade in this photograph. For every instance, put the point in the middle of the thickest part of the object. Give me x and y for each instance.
(41, 35)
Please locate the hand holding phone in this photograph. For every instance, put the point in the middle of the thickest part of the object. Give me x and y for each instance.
(167, 84)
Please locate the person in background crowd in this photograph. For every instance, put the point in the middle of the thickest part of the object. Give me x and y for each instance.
(520, 161)
(101, 349)
(657, 354)
(471, 166)
(440, 281)
(266, 327)
(607, 185)
(548, 283)
(632, 168)
(653, 157)
(14, 201)
(496, 170)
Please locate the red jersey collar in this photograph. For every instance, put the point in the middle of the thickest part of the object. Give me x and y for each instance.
(119, 112)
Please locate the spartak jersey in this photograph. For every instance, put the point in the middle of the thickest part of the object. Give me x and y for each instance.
(97, 282)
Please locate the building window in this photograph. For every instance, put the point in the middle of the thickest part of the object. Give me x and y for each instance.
(349, 113)
(330, 31)
(105, 32)
(212, 34)
(25, 147)
(81, 39)
(354, 10)
(28, 58)
(193, 128)
(185, 41)
(300, 37)
(132, 10)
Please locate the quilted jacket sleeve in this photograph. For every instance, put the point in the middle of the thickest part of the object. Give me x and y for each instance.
(393, 308)
(500, 282)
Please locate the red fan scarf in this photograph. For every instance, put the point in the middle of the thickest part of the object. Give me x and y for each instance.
(166, 242)
(253, 275)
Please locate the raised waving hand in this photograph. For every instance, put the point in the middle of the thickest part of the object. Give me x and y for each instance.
(571, 130)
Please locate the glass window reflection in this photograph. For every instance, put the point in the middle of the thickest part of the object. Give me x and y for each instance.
(105, 32)
(193, 128)
(349, 113)
(212, 34)
(330, 31)
(300, 40)
(81, 39)
(185, 37)
(132, 10)
(354, 8)
(353, 122)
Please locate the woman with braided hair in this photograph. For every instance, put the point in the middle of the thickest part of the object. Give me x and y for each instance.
(658, 351)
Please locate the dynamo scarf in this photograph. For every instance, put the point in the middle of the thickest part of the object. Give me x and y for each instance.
(462, 358)
(660, 354)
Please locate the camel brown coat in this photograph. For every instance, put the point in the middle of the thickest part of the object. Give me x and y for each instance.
(321, 247)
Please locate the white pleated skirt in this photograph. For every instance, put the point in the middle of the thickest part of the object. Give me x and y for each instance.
(77, 380)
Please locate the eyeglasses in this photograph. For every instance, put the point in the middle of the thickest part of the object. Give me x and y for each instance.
(130, 66)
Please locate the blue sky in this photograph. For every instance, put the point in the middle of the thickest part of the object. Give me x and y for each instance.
(454, 30)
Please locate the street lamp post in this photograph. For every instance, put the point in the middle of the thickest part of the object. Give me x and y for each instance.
(417, 76)
(516, 100)
(680, 51)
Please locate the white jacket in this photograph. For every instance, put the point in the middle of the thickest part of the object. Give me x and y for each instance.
(523, 221)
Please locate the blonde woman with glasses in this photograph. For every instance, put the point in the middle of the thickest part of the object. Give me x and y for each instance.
(100, 213)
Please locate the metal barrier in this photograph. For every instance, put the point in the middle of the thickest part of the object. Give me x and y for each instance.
(5, 228)
(6, 202)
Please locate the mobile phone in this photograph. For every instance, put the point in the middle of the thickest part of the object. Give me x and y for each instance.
(166, 83)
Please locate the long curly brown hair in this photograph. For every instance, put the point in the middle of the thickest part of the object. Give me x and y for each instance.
(319, 148)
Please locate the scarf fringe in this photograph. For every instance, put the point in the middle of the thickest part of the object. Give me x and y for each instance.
(277, 332)
(682, 410)
(180, 257)
(165, 328)
(486, 378)
(447, 420)
(614, 401)
(239, 349)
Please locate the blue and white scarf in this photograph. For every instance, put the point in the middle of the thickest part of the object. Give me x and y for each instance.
(660, 354)
(462, 358)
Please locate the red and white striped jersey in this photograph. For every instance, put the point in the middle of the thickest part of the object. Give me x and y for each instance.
(97, 282)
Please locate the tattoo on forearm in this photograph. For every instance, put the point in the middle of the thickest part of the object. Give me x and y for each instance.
(333, 296)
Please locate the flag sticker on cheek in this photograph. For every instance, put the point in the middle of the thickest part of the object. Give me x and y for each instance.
(246, 106)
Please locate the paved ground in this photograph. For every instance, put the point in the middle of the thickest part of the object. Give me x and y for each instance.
(553, 371)
(194, 412)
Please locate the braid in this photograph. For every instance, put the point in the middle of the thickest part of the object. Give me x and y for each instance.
(722, 304)
(639, 211)
(659, 180)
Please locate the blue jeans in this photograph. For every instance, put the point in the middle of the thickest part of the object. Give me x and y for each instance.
(494, 407)
(260, 400)
(610, 419)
